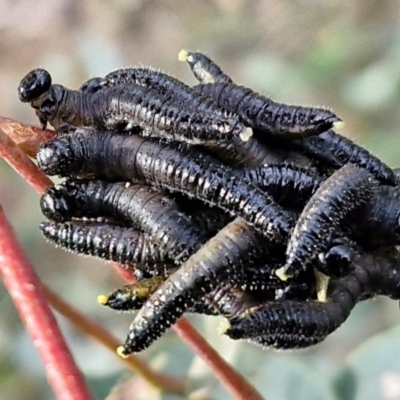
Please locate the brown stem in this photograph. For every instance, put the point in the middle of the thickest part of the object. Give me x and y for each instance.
(26, 291)
(234, 382)
(98, 333)
(18, 160)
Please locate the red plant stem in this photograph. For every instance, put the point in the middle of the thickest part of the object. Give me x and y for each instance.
(234, 382)
(101, 335)
(26, 291)
(22, 164)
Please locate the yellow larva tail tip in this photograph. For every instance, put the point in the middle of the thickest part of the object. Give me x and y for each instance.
(338, 125)
(223, 327)
(102, 299)
(281, 274)
(121, 352)
(182, 55)
(246, 134)
(322, 283)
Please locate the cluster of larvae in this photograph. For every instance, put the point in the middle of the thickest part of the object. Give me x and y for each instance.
(220, 200)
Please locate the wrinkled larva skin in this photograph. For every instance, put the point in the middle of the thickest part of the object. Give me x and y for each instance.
(127, 246)
(168, 167)
(169, 181)
(261, 113)
(343, 192)
(167, 86)
(126, 104)
(307, 323)
(148, 209)
(337, 150)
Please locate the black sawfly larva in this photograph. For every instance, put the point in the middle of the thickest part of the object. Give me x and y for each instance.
(125, 104)
(166, 166)
(263, 114)
(148, 209)
(344, 191)
(372, 275)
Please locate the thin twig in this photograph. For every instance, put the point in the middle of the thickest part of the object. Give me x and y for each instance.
(98, 333)
(234, 382)
(26, 291)
(18, 160)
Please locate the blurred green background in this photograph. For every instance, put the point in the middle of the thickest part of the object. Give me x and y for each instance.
(342, 54)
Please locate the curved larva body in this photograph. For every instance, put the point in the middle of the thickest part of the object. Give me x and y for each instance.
(168, 167)
(204, 69)
(124, 245)
(337, 150)
(307, 323)
(223, 257)
(343, 192)
(148, 209)
(259, 112)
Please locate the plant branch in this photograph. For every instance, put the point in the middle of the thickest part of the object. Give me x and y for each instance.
(101, 335)
(234, 382)
(26, 291)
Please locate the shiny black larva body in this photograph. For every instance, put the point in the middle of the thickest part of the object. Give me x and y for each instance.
(148, 209)
(263, 114)
(343, 192)
(125, 105)
(225, 256)
(127, 246)
(166, 166)
(221, 259)
(336, 150)
(307, 323)
(167, 86)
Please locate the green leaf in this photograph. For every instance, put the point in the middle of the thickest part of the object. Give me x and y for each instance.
(372, 371)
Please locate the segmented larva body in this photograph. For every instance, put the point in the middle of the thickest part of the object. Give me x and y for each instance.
(289, 186)
(261, 113)
(204, 69)
(380, 215)
(167, 86)
(255, 153)
(129, 104)
(148, 209)
(310, 322)
(224, 256)
(337, 150)
(126, 246)
(344, 191)
(166, 166)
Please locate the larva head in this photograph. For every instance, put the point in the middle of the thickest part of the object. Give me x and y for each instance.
(55, 157)
(122, 299)
(55, 205)
(34, 85)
